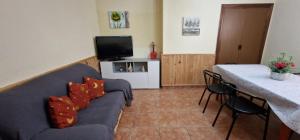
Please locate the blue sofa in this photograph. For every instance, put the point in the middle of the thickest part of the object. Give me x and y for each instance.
(24, 109)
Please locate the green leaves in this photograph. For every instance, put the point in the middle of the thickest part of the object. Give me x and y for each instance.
(281, 64)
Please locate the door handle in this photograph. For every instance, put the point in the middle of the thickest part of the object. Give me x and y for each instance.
(240, 47)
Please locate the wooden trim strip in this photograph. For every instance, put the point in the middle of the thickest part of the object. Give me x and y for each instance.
(248, 5)
(119, 119)
(91, 61)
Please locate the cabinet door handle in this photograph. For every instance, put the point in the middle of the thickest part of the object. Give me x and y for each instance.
(240, 47)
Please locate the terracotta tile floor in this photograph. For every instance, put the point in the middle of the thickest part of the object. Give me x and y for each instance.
(174, 114)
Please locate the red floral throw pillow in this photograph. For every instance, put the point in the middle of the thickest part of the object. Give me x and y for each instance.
(96, 87)
(62, 111)
(79, 95)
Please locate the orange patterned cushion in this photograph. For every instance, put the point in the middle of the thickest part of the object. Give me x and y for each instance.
(96, 87)
(62, 111)
(79, 95)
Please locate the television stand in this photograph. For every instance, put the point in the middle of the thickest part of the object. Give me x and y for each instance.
(140, 73)
(114, 59)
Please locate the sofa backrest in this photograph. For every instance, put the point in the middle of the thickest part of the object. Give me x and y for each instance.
(24, 109)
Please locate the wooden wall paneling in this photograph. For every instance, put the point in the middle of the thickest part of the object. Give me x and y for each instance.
(197, 69)
(93, 62)
(185, 69)
(168, 70)
(180, 71)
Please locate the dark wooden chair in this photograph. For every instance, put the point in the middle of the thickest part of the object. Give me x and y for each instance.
(242, 103)
(213, 85)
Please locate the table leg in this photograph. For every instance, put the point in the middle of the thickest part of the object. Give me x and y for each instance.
(285, 132)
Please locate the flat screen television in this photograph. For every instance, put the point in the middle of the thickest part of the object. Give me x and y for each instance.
(113, 47)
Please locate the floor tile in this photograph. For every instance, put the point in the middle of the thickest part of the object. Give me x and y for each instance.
(192, 118)
(123, 134)
(170, 133)
(174, 114)
(145, 133)
(203, 133)
(127, 120)
(168, 119)
(146, 119)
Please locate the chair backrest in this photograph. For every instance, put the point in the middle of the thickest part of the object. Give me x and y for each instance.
(230, 91)
(211, 78)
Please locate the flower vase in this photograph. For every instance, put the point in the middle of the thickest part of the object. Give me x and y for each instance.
(153, 55)
(279, 76)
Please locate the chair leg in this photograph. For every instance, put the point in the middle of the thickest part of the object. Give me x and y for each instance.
(221, 98)
(266, 123)
(202, 96)
(220, 109)
(206, 103)
(234, 117)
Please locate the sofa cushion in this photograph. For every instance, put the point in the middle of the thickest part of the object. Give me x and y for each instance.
(28, 107)
(96, 87)
(104, 110)
(79, 95)
(62, 111)
(83, 132)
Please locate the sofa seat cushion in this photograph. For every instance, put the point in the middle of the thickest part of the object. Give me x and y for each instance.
(104, 110)
(83, 132)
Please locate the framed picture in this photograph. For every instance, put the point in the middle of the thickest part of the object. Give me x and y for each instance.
(191, 26)
(118, 19)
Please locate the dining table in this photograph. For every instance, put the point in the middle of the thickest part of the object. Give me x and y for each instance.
(283, 97)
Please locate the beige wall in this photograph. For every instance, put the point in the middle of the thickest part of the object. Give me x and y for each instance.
(209, 13)
(145, 19)
(37, 36)
(284, 32)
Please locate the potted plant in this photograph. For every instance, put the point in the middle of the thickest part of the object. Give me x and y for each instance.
(281, 67)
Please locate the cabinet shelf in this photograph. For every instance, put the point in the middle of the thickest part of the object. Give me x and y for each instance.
(124, 67)
(141, 73)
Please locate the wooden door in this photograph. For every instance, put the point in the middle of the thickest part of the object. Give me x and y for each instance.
(242, 33)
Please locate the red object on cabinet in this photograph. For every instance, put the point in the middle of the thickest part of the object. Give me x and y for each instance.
(153, 54)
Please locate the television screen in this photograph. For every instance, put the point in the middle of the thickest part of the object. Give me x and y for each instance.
(113, 47)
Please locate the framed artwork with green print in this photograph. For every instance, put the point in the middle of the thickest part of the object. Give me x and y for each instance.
(118, 19)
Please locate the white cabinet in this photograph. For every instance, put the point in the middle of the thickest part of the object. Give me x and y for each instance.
(141, 73)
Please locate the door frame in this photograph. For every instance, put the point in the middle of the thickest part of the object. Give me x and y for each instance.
(224, 6)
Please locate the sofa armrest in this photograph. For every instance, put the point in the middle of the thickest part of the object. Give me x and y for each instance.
(119, 85)
(114, 84)
(83, 132)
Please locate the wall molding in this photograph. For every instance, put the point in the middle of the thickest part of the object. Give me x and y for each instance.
(91, 61)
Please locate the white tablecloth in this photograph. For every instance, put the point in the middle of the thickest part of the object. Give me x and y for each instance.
(282, 96)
